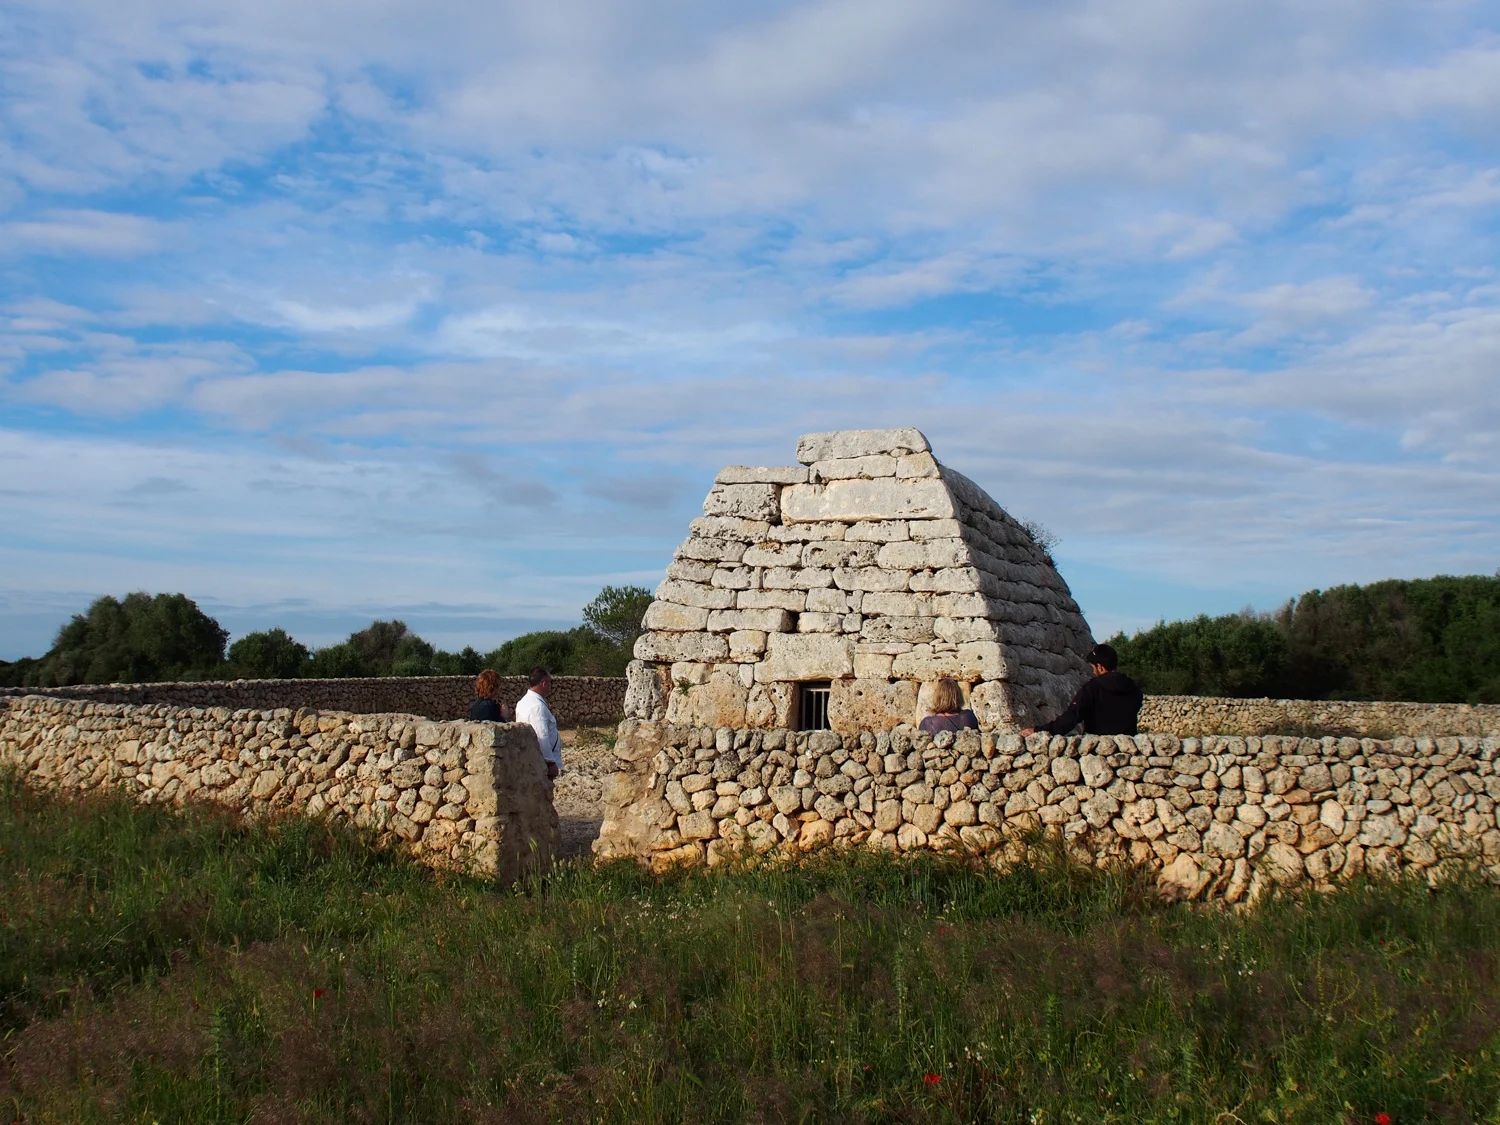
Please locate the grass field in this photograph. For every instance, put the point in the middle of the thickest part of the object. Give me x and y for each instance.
(162, 967)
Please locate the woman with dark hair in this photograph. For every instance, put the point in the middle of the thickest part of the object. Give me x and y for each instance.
(948, 710)
(487, 707)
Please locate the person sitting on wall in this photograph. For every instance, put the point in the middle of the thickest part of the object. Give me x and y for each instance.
(1110, 703)
(534, 711)
(487, 707)
(948, 710)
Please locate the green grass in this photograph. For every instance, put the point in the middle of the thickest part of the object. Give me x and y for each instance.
(166, 967)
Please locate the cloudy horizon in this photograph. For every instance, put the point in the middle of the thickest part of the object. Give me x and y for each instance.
(323, 312)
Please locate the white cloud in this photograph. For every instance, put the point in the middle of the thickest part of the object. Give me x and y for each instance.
(81, 232)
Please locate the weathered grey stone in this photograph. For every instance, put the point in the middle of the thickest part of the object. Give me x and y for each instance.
(762, 474)
(852, 501)
(745, 501)
(859, 443)
(805, 656)
(671, 617)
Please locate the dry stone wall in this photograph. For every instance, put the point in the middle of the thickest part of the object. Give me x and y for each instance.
(467, 796)
(1195, 716)
(869, 565)
(575, 700)
(1224, 817)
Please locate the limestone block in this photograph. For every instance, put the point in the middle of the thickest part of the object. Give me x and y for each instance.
(669, 617)
(762, 474)
(764, 620)
(770, 706)
(953, 580)
(746, 645)
(805, 656)
(877, 531)
(692, 570)
(916, 465)
(734, 577)
(1283, 863)
(874, 704)
(668, 647)
(745, 501)
(721, 701)
(960, 629)
(909, 837)
(872, 665)
(850, 501)
(827, 601)
(694, 594)
(935, 529)
(879, 630)
(775, 554)
(711, 550)
(896, 604)
(796, 578)
(815, 834)
(983, 660)
(794, 600)
(961, 814)
(848, 468)
(930, 554)
(820, 622)
(959, 605)
(870, 578)
(729, 527)
(837, 554)
(920, 665)
(859, 443)
(1182, 880)
(697, 826)
(806, 532)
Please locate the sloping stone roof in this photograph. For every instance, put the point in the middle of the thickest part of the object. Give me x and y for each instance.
(869, 564)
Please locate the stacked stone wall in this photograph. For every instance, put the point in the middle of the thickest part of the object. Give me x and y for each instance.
(1223, 817)
(460, 795)
(1196, 716)
(575, 700)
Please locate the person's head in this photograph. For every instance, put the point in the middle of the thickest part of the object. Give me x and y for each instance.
(540, 680)
(487, 684)
(947, 698)
(1102, 659)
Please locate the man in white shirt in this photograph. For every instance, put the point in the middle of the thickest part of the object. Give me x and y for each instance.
(533, 709)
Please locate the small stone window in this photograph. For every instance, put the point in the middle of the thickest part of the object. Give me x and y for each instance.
(812, 705)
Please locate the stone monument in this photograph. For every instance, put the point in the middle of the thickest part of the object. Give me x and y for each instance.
(855, 579)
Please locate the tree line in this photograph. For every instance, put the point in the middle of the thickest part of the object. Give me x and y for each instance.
(143, 638)
(1432, 640)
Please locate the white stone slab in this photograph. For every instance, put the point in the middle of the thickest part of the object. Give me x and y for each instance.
(762, 474)
(805, 656)
(851, 501)
(859, 443)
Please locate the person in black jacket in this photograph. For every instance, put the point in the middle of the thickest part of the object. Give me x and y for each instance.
(1110, 703)
(487, 707)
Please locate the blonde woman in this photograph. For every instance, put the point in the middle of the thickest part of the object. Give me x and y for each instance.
(948, 710)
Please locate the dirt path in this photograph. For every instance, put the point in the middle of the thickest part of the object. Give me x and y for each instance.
(588, 755)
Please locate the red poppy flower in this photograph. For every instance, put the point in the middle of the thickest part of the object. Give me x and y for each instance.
(317, 994)
(932, 1079)
(1382, 1118)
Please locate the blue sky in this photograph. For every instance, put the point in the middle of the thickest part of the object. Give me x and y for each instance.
(326, 311)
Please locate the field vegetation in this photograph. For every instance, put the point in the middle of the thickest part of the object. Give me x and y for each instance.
(158, 966)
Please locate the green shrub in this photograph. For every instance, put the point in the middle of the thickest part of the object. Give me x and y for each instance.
(271, 655)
